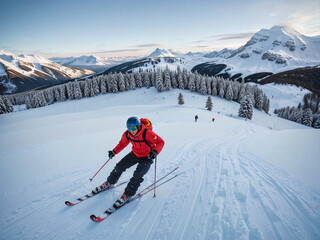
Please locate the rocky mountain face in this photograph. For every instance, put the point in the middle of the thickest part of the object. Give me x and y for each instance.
(25, 72)
(269, 52)
(281, 45)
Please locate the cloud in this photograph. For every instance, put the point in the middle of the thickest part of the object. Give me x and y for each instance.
(306, 20)
(118, 50)
(199, 41)
(232, 36)
(200, 46)
(150, 45)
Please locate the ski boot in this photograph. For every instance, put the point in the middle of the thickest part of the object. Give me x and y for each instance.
(122, 200)
(106, 185)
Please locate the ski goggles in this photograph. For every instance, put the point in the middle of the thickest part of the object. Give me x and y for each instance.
(132, 128)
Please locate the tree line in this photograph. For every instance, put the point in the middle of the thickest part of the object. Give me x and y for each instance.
(307, 113)
(162, 80)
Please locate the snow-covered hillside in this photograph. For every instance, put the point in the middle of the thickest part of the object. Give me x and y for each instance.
(273, 50)
(254, 179)
(161, 59)
(92, 62)
(25, 72)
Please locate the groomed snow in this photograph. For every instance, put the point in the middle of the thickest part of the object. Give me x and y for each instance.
(240, 179)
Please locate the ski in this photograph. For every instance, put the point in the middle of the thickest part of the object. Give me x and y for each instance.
(112, 209)
(85, 197)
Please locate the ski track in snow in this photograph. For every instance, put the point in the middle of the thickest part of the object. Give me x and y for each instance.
(225, 192)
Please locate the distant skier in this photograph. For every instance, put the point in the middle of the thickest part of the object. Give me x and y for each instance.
(146, 145)
(196, 118)
(213, 119)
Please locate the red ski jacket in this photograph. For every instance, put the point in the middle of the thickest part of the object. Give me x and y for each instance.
(142, 143)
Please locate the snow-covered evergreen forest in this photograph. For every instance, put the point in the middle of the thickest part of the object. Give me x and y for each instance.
(163, 80)
(307, 114)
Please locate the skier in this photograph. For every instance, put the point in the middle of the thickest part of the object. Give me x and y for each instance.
(196, 118)
(146, 145)
(213, 119)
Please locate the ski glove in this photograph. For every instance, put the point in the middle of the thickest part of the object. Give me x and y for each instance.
(111, 154)
(152, 154)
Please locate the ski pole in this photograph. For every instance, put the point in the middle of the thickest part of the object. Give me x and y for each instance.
(155, 177)
(99, 170)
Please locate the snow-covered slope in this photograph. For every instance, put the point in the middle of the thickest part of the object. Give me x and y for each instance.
(269, 51)
(24, 72)
(224, 53)
(272, 50)
(160, 58)
(162, 53)
(92, 62)
(240, 179)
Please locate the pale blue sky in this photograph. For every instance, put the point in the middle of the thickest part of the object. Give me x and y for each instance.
(126, 27)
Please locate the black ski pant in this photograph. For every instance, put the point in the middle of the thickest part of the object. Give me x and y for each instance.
(128, 161)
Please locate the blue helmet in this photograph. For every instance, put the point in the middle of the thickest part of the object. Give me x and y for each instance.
(133, 121)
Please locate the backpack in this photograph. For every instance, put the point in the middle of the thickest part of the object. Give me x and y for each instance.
(146, 122)
(148, 126)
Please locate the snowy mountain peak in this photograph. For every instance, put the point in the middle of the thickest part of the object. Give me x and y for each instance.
(276, 48)
(162, 53)
(224, 53)
(79, 61)
(25, 72)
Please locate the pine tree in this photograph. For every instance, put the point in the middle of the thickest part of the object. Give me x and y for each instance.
(103, 85)
(114, 84)
(77, 90)
(167, 80)
(49, 95)
(127, 81)
(42, 99)
(246, 108)
(138, 80)
(197, 78)
(159, 83)
(122, 85)
(192, 83)
(95, 87)
(132, 82)
(185, 78)
(56, 95)
(3, 108)
(70, 92)
(242, 93)
(38, 100)
(214, 90)
(316, 118)
(8, 104)
(209, 104)
(180, 99)
(180, 81)
(173, 77)
(203, 85)
(299, 115)
(307, 117)
(147, 81)
(221, 88)
(229, 93)
(265, 104)
(236, 90)
(208, 84)
(28, 102)
(62, 90)
(259, 100)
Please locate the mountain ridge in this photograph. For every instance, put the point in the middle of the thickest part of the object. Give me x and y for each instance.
(26, 72)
